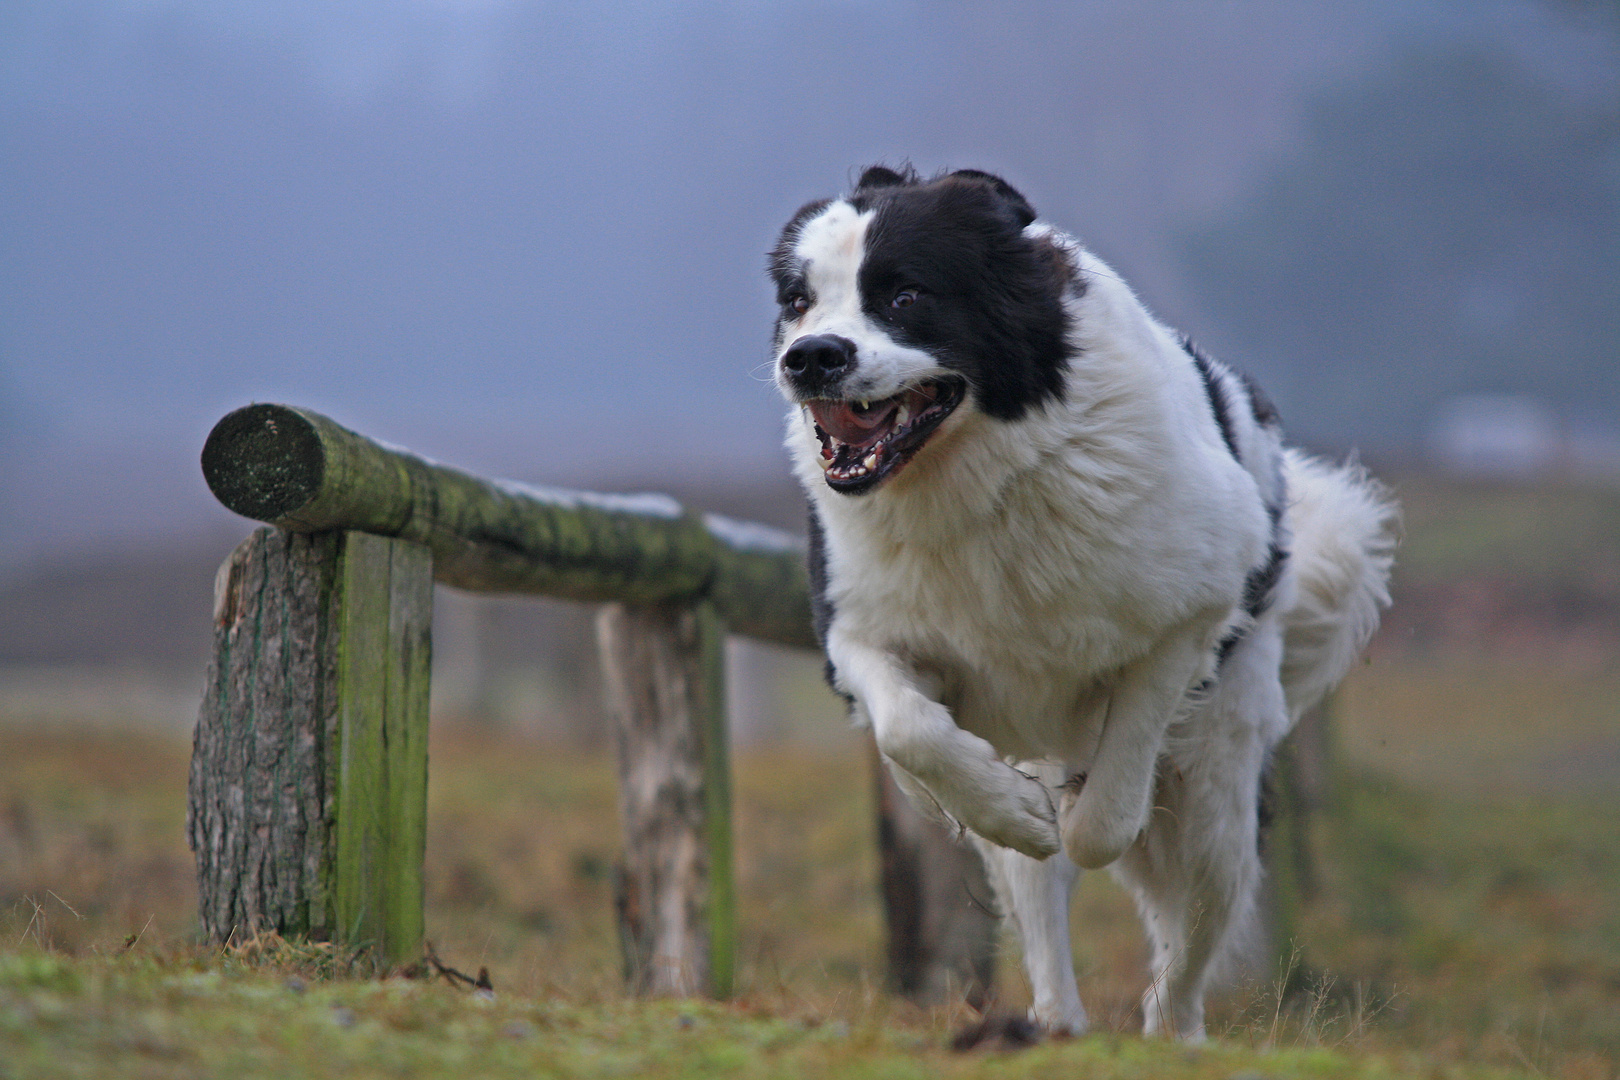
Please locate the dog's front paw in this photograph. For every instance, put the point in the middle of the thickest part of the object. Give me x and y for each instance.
(1094, 835)
(1021, 817)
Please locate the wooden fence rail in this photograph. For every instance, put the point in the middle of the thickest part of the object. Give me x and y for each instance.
(308, 782)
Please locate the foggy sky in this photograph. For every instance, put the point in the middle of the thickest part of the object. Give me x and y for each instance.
(528, 238)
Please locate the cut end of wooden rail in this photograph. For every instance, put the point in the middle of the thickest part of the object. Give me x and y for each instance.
(264, 461)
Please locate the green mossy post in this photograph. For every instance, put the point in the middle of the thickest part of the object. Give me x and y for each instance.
(717, 803)
(307, 798)
(384, 659)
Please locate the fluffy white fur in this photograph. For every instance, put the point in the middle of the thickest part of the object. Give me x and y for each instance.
(1064, 580)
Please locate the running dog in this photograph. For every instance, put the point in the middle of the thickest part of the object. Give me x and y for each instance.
(1062, 562)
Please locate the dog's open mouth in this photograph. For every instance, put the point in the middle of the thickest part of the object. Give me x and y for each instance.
(863, 442)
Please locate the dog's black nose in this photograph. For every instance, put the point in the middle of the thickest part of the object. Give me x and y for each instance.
(819, 356)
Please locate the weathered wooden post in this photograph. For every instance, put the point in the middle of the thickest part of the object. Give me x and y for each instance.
(1300, 785)
(310, 760)
(307, 804)
(663, 671)
(937, 903)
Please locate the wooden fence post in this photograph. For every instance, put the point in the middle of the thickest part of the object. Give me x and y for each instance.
(663, 675)
(1300, 786)
(937, 903)
(308, 788)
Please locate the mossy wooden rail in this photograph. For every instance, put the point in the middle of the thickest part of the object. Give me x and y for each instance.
(308, 780)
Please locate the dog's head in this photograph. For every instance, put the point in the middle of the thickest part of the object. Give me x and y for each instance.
(907, 300)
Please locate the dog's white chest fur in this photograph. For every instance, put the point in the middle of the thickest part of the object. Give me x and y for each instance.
(1019, 609)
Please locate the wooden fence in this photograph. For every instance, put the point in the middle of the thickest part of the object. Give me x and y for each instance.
(307, 802)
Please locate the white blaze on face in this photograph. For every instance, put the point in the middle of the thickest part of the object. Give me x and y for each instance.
(832, 246)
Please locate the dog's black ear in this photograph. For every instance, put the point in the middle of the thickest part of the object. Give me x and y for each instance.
(1016, 202)
(880, 176)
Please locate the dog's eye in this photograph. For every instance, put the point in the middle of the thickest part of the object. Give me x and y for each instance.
(798, 303)
(904, 298)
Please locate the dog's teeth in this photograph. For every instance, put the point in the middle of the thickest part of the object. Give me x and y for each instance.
(901, 415)
(870, 461)
(865, 405)
(826, 463)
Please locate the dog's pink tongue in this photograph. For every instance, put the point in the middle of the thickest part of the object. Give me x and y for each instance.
(840, 420)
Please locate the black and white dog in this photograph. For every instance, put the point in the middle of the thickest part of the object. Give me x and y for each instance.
(1063, 564)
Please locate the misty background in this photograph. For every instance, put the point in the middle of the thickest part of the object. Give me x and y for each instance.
(527, 238)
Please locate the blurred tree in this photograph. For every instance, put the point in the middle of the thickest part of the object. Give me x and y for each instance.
(1450, 225)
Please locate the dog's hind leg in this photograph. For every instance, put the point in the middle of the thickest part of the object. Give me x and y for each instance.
(1196, 869)
(1034, 894)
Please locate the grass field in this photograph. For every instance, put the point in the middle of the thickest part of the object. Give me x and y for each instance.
(1466, 920)
(1468, 925)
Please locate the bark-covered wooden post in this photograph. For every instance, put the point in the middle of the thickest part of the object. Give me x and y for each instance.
(307, 801)
(663, 673)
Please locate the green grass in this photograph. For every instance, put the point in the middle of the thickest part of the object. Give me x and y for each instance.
(205, 1016)
(1453, 934)
(1465, 922)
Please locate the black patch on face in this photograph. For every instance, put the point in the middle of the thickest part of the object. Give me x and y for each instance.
(986, 301)
(1013, 197)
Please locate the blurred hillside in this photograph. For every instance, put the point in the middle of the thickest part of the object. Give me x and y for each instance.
(1448, 224)
(1488, 570)
(124, 639)
(1528, 571)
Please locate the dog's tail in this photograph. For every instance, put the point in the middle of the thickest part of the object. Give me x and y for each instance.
(1345, 528)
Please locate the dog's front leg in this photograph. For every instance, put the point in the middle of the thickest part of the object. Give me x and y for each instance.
(962, 771)
(1103, 812)
(1035, 896)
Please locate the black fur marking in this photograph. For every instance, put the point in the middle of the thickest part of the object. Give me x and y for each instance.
(989, 299)
(1258, 589)
(1015, 199)
(1260, 406)
(821, 606)
(1261, 583)
(880, 176)
(1216, 392)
